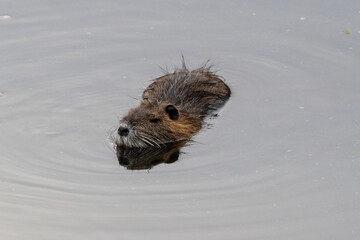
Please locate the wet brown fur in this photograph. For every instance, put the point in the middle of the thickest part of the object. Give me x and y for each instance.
(199, 92)
(195, 94)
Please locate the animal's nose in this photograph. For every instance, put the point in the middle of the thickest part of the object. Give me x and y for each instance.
(123, 131)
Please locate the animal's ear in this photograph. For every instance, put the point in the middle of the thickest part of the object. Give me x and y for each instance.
(172, 112)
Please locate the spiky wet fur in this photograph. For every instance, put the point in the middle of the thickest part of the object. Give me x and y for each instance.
(199, 92)
(195, 94)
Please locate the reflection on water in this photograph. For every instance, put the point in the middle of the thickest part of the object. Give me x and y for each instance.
(146, 158)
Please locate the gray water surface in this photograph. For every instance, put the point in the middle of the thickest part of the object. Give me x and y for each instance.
(282, 160)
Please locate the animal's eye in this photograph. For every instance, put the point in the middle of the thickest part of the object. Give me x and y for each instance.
(172, 112)
(155, 120)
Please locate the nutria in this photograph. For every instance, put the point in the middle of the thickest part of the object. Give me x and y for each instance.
(173, 108)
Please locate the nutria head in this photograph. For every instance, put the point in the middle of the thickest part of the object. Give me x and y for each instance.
(153, 124)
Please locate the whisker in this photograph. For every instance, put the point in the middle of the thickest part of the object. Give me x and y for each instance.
(144, 139)
(153, 140)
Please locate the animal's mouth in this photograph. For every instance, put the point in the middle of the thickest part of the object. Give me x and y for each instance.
(129, 137)
(132, 140)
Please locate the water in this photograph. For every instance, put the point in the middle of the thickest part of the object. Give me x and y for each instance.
(280, 162)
